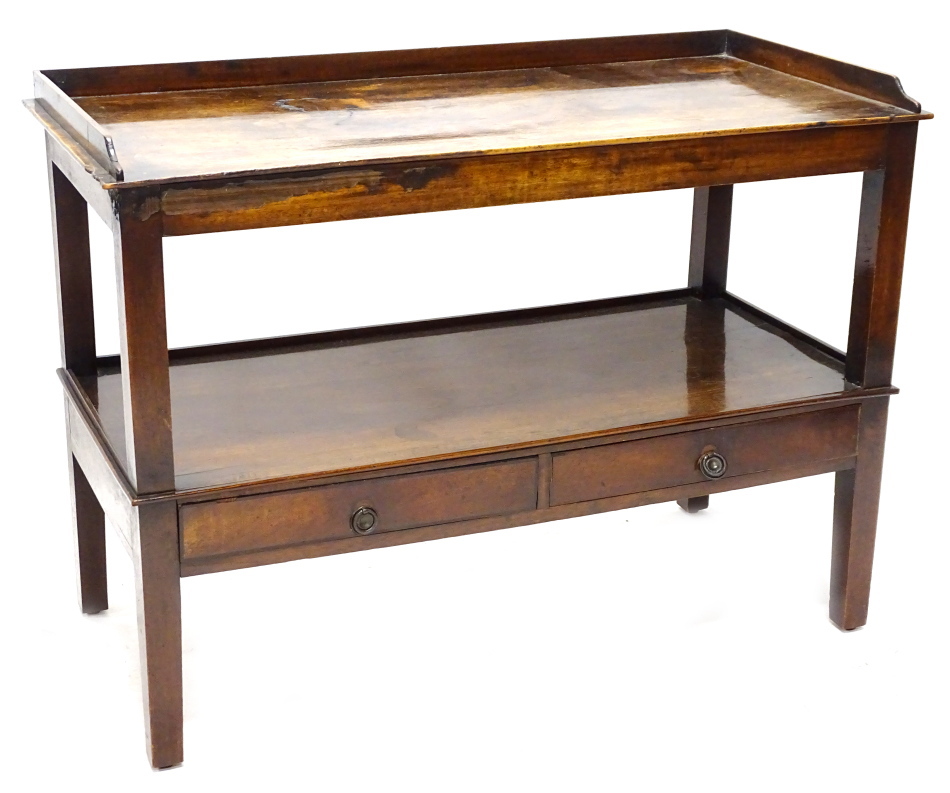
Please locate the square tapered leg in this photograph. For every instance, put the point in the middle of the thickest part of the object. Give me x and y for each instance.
(89, 523)
(855, 521)
(158, 596)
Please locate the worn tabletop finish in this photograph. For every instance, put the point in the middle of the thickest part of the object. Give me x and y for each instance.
(177, 134)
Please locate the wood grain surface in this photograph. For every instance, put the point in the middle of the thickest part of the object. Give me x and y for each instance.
(323, 513)
(363, 191)
(346, 406)
(459, 528)
(176, 134)
(257, 452)
(616, 469)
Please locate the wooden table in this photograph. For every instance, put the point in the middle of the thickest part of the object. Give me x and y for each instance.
(224, 456)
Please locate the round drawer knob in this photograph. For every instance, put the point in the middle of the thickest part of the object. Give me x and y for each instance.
(364, 520)
(713, 465)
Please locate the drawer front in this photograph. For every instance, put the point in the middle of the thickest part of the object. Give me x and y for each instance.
(654, 463)
(315, 514)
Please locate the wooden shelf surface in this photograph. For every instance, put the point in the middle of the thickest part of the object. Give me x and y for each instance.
(347, 401)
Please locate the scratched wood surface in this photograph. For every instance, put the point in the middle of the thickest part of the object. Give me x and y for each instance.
(374, 402)
(193, 133)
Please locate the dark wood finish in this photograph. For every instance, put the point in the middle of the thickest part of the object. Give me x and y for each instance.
(77, 330)
(709, 244)
(256, 452)
(463, 100)
(150, 467)
(706, 341)
(250, 348)
(97, 459)
(89, 522)
(879, 265)
(85, 175)
(708, 267)
(461, 528)
(621, 468)
(362, 405)
(323, 513)
(855, 521)
(77, 336)
(659, 429)
(210, 75)
(827, 71)
(158, 597)
(708, 270)
(77, 123)
(390, 63)
(492, 180)
(882, 232)
(190, 135)
(693, 505)
(147, 415)
(544, 480)
(760, 317)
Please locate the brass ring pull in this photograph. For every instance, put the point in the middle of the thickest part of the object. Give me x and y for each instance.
(712, 465)
(364, 520)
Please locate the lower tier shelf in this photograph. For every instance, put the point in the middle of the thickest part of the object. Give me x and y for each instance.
(351, 401)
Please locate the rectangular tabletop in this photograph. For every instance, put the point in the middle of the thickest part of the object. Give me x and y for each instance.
(198, 133)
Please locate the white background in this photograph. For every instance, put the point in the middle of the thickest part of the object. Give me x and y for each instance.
(644, 649)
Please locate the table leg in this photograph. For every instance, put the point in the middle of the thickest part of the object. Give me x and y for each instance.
(708, 267)
(78, 352)
(693, 505)
(709, 240)
(855, 521)
(90, 526)
(150, 466)
(879, 263)
(158, 595)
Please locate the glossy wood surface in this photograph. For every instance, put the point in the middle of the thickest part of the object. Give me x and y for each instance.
(77, 336)
(857, 491)
(143, 348)
(287, 70)
(323, 513)
(616, 469)
(258, 452)
(879, 261)
(80, 126)
(354, 543)
(778, 446)
(492, 179)
(827, 71)
(176, 134)
(709, 239)
(77, 330)
(95, 457)
(158, 601)
(89, 523)
(365, 404)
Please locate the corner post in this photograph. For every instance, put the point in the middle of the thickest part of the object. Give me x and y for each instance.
(882, 233)
(77, 344)
(709, 243)
(150, 464)
(708, 267)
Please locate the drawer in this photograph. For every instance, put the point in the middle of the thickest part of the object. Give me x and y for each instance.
(671, 460)
(315, 514)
